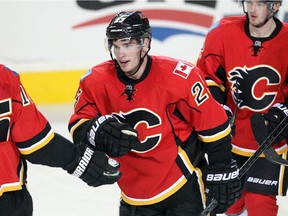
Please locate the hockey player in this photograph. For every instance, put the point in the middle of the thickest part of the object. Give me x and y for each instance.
(168, 105)
(245, 65)
(25, 134)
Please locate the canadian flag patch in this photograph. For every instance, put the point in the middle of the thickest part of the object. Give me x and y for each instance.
(182, 69)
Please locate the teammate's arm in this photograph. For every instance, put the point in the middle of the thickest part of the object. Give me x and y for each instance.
(93, 167)
(38, 144)
(213, 130)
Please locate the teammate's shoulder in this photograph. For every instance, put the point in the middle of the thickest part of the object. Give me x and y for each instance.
(285, 26)
(7, 70)
(9, 79)
(8, 74)
(228, 22)
(233, 19)
(99, 71)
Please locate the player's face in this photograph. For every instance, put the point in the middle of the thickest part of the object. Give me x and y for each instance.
(127, 53)
(257, 11)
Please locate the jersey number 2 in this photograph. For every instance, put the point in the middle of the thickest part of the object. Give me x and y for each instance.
(198, 92)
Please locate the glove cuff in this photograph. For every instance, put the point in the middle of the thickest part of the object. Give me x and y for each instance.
(81, 161)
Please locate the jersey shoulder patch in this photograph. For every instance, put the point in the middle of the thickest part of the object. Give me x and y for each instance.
(183, 69)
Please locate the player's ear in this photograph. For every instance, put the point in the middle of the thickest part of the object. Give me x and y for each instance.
(275, 6)
(146, 44)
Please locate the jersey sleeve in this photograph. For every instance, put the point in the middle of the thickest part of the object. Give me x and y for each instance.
(211, 60)
(24, 126)
(84, 108)
(30, 130)
(208, 119)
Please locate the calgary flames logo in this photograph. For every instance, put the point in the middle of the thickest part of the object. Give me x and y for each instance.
(254, 88)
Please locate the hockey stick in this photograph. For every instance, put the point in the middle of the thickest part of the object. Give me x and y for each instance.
(246, 166)
(237, 107)
(259, 124)
(273, 157)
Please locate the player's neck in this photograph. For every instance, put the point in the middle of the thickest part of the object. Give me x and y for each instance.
(140, 71)
(263, 31)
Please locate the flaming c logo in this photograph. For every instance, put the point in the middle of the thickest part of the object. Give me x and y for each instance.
(254, 88)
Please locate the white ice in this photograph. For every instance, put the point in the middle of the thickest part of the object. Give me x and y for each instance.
(56, 193)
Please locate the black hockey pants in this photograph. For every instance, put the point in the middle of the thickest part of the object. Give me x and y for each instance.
(16, 203)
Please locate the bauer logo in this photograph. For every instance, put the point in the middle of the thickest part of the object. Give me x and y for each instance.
(262, 181)
(167, 18)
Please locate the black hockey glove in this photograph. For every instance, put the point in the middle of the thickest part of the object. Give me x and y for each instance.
(273, 117)
(223, 184)
(93, 167)
(109, 135)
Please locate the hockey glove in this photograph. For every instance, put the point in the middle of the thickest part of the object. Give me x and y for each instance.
(109, 135)
(223, 184)
(274, 116)
(93, 167)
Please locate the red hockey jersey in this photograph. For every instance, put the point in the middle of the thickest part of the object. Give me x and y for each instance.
(23, 130)
(253, 72)
(150, 173)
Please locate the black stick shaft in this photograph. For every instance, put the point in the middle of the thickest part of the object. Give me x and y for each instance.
(246, 166)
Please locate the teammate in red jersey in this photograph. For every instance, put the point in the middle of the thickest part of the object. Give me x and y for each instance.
(244, 62)
(25, 134)
(166, 105)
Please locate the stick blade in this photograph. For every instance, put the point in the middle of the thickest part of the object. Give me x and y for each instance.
(260, 133)
(272, 156)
